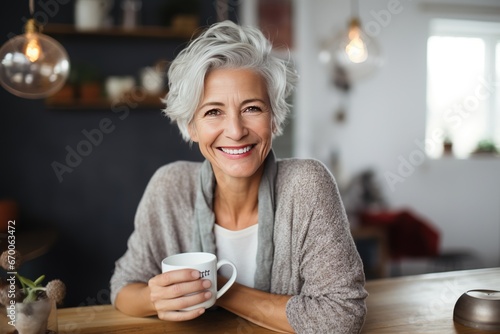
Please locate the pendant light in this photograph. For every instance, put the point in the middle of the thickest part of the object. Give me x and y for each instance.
(352, 50)
(33, 65)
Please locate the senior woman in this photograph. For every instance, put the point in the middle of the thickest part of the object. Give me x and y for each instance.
(281, 222)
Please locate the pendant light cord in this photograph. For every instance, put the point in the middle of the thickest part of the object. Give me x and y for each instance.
(354, 9)
(32, 7)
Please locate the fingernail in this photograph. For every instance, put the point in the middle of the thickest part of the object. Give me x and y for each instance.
(208, 294)
(195, 274)
(207, 283)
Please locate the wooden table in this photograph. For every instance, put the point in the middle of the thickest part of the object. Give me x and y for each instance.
(412, 304)
(423, 303)
(105, 319)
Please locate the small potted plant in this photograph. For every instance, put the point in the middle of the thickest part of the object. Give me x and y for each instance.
(447, 146)
(486, 146)
(88, 81)
(28, 303)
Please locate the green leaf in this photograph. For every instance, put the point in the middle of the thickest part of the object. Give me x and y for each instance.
(39, 280)
(30, 288)
(27, 282)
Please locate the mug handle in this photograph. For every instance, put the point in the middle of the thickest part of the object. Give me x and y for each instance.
(231, 280)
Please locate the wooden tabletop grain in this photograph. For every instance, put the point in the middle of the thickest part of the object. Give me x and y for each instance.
(423, 303)
(105, 319)
(411, 304)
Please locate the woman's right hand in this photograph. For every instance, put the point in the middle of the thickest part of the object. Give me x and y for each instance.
(175, 290)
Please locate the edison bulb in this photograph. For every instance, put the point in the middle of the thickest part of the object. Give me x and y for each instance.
(352, 50)
(356, 49)
(33, 49)
(33, 65)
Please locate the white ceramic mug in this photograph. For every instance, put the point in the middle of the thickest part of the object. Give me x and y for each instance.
(91, 14)
(207, 265)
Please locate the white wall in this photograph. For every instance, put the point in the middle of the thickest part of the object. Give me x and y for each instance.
(386, 119)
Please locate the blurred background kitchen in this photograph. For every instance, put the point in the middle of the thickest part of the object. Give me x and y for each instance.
(408, 121)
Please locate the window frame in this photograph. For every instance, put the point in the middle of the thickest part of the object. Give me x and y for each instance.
(489, 32)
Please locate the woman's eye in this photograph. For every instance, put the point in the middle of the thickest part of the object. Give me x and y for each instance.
(212, 112)
(253, 109)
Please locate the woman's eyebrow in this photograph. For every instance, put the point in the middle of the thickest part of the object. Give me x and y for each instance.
(253, 100)
(216, 104)
(220, 104)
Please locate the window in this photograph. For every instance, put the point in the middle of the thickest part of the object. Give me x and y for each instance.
(463, 98)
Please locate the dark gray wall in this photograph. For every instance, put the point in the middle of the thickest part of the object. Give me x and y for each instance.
(93, 207)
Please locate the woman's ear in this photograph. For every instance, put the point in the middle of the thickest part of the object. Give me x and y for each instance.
(192, 132)
(274, 128)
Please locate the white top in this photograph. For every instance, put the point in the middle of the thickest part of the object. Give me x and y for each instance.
(240, 248)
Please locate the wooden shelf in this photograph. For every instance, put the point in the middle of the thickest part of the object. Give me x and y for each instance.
(142, 31)
(144, 102)
(69, 97)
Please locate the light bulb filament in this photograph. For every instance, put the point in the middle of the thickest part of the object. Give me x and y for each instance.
(356, 48)
(33, 49)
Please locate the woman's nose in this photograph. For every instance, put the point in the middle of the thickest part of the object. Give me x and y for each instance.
(235, 128)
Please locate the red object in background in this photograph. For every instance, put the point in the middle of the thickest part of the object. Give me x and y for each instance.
(408, 235)
(9, 211)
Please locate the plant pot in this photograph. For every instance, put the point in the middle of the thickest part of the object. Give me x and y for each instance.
(90, 92)
(447, 148)
(186, 24)
(65, 95)
(38, 317)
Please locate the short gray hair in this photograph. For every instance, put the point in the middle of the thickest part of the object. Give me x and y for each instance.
(226, 45)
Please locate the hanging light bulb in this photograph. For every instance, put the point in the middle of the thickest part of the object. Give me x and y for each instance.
(353, 51)
(356, 49)
(33, 65)
(33, 49)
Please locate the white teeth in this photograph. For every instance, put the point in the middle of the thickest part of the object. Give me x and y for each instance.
(239, 151)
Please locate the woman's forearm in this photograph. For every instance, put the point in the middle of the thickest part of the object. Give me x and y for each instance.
(262, 308)
(134, 299)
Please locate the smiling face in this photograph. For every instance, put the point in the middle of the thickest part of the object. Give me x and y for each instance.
(233, 122)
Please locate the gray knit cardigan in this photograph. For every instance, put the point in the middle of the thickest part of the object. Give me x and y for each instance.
(314, 259)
